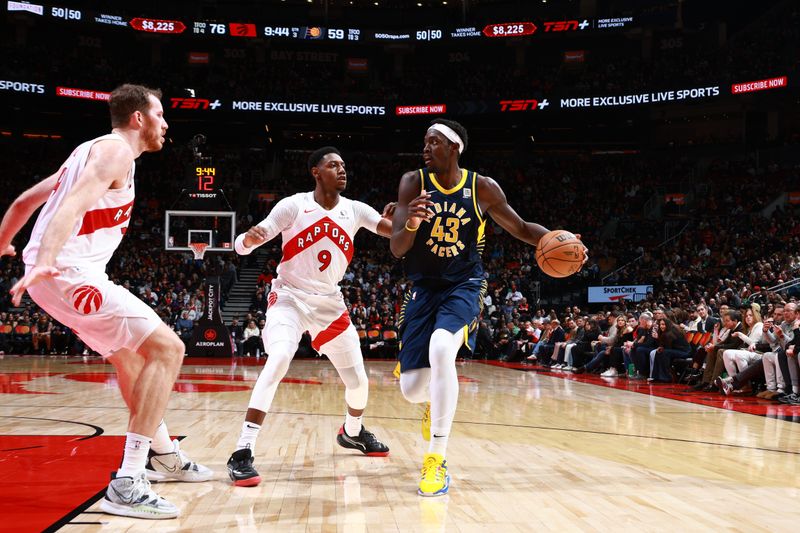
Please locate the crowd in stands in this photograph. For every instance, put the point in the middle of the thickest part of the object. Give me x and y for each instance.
(750, 349)
(727, 252)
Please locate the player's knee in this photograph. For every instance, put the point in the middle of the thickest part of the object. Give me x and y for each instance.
(354, 377)
(278, 361)
(414, 390)
(356, 386)
(177, 348)
(173, 350)
(444, 345)
(163, 345)
(356, 397)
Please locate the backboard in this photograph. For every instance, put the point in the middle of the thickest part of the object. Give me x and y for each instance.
(215, 228)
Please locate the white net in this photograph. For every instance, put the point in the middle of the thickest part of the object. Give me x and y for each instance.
(198, 249)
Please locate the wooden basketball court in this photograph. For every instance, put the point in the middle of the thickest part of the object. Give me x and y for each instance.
(530, 451)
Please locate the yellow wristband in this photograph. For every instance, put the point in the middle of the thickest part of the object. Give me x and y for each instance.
(412, 230)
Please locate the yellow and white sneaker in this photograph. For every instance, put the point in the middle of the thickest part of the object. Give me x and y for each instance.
(435, 481)
(426, 422)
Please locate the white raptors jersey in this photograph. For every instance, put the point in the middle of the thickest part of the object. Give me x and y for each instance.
(96, 236)
(317, 243)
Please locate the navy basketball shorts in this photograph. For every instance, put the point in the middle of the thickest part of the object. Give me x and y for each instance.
(428, 307)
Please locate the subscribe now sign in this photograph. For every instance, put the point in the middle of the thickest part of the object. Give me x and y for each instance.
(613, 294)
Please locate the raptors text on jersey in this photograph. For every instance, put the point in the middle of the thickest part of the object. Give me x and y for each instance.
(317, 242)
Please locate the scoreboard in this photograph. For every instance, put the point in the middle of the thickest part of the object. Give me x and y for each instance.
(206, 178)
(252, 29)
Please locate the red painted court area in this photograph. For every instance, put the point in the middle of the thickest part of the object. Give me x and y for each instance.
(45, 479)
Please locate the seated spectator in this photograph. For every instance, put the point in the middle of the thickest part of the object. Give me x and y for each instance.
(573, 336)
(792, 352)
(641, 347)
(62, 337)
(41, 335)
(619, 357)
(251, 343)
(671, 344)
(737, 360)
(720, 333)
(604, 347)
(577, 354)
(732, 320)
(484, 347)
(184, 326)
(527, 339)
(544, 339)
(237, 336)
(556, 335)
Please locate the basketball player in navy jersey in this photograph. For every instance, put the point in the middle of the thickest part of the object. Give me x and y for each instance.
(438, 228)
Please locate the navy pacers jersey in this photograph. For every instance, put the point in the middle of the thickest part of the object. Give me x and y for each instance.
(449, 247)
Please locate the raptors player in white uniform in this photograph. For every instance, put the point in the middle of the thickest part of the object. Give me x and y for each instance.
(87, 209)
(317, 229)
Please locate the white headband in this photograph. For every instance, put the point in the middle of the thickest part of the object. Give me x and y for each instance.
(451, 135)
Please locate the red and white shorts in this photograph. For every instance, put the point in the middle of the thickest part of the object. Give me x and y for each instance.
(292, 311)
(106, 316)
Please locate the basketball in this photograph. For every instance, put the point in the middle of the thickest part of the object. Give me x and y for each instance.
(559, 254)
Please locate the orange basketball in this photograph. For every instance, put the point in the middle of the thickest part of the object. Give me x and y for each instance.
(559, 254)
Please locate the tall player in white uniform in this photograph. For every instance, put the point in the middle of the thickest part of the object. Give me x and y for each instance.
(317, 229)
(87, 209)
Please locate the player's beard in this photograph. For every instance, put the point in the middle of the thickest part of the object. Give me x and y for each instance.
(152, 135)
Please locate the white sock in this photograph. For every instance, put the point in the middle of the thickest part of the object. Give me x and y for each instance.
(438, 443)
(161, 441)
(135, 457)
(352, 424)
(248, 436)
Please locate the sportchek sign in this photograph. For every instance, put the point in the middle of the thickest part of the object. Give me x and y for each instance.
(613, 294)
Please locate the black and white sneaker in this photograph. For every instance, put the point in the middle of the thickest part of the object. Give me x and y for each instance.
(240, 469)
(175, 466)
(790, 399)
(132, 496)
(365, 442)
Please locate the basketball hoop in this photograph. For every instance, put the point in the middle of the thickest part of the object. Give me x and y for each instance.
(198, 249)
